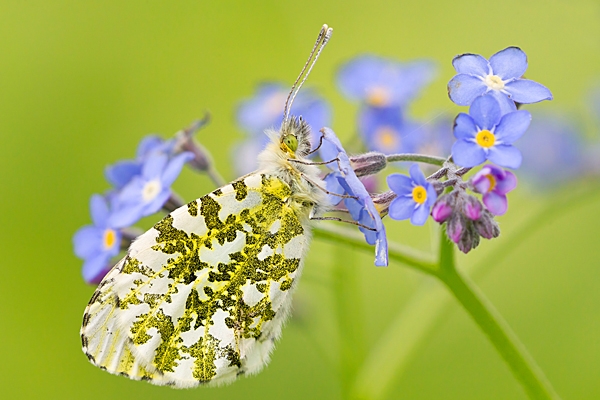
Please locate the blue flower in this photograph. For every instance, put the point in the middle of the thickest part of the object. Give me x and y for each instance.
(148, 191)
(415, 196)
(384, 129)
(553, 151)
(486, 134)
(343, 180)
(381, 82)
(122, 172)
(499, 77)
(96, 244)
(265, 111)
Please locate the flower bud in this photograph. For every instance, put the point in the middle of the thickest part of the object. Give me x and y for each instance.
(472, 208)
(486, 226)
(442, 209)
(455, 227)
(368, 163)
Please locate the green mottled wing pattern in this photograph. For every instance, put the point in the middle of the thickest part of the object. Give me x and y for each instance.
(201, 297)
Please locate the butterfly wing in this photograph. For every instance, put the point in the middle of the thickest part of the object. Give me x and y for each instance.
(201, 297)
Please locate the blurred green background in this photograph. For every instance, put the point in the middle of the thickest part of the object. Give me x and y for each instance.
(81, 82)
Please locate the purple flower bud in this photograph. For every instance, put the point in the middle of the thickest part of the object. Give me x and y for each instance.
(472, 208)
(455, 228)
(441, 209)
(486, 226)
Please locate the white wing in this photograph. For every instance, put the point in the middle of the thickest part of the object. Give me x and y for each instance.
(201, 297)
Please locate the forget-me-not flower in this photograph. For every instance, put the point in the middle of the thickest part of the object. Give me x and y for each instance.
(96, 244)
(494, 183)
(486, 134)
(500, 77)
(385, 129)
(415, 196)
(147, 192)
(343, 180)
(382, 82)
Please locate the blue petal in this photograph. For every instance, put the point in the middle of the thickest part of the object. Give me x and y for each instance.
(99, 210)
(463, 89)
(505, 156)
(174, 167)
(358, 74)
(526, 91)
(512, 126)
(126, 215)
(120, 173)
(504, 101)
(95, 268)
(417, 176)
(464, 127)
(510, 63)
(401, 208)
(431, 195)
(330, 147)
(355, 208)
(381, 248)
(400, 184)
(332, 184)
(485, 111)
(472, 64)
(467, 154)
(383, 129)
(154, 166)
(410, 81)
(87, 242)
(148, 145)
(264, 110)
(157, 202)
(420, 215)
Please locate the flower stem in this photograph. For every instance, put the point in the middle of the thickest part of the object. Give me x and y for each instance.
(439, 161)
(402, 254)
(494, 326)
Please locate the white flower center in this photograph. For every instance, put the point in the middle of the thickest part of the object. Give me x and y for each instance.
(494, 82)
(151, 190)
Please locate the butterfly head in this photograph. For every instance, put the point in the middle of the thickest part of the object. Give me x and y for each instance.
(295, 137)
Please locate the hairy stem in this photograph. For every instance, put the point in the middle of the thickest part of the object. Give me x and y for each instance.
(439, 161)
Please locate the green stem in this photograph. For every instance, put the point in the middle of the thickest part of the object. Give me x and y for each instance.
(494, 326)
(396, 252)
(439, 161)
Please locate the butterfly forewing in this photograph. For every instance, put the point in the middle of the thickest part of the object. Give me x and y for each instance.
(201, 297)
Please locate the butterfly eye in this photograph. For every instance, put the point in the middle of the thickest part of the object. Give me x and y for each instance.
(291, 142)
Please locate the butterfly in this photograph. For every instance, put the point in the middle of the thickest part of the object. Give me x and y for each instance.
(201, 298)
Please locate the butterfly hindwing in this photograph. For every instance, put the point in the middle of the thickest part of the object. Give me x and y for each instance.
(201, 297)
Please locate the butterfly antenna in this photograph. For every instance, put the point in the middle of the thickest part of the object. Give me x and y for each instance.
(322, 39)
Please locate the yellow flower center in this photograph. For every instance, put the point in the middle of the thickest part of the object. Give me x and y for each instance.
(151, 190)
(485, 138)
(419, 194)
(492, 182)
(378, 96)
(109, 238)
(387, 138)
(494, 82)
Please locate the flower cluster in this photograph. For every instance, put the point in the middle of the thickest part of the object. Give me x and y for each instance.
(384, 89)
(493, 89)
(140, 187)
